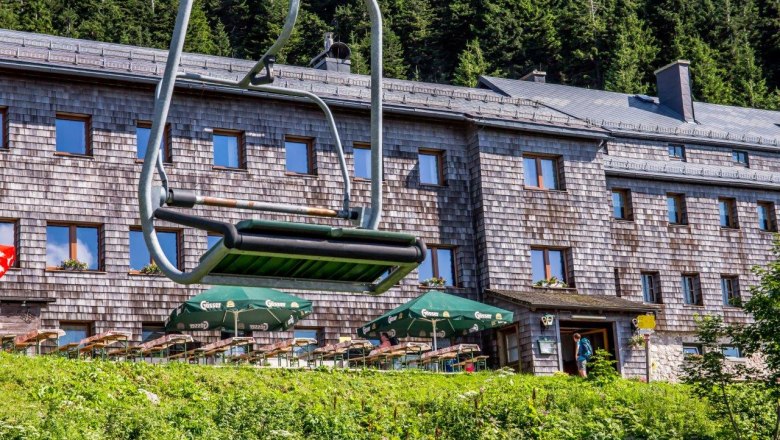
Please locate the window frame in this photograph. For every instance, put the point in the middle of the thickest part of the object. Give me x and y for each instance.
(433, 248)
(90, 326)
(311, 163)
(680, 206)
(698, 300)
(4, 129)
(439, 155)
(240, 145)
(673, 156)
(15, 244)
(87, 120)
(506, 333)
(73, 243)
(360, 146)
(771, 216)
(657, 293)
(735, 158)
(319, 336)
(724, 347)
(167, 141)
(179, 240)
(160, 325)
(547, 268)
(628, 214)
(538, 158)
(697, 347)
(732, 215)
(735, 292)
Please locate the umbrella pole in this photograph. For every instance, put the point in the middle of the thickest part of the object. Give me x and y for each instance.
(433, 321)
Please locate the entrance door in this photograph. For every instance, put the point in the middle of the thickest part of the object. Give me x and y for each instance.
(600, 334)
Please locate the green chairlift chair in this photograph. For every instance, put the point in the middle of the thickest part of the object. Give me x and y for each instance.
(276, 254)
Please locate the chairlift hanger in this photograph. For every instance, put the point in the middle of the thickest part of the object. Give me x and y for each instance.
(266, 253)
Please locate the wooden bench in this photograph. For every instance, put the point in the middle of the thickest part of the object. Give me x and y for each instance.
(448, 353)
(35, 338)
(340, 352)
(284, 349)
(163, 344)
(389, 354)
(100, 343)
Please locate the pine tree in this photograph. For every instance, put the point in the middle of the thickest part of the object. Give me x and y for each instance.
(632, 57)
(710, 80)
(471, 64)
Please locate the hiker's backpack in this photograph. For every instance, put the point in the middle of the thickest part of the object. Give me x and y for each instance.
(586, 349)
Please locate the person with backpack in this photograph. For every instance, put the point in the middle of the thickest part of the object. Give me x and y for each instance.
(582, 352)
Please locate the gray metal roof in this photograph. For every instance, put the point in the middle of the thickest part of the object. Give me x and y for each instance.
(621, 113)
(536, 298)
(29, 49)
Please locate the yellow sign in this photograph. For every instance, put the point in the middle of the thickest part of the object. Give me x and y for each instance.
(645, 321)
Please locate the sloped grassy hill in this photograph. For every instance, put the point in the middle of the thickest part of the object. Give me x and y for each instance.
(55, 398)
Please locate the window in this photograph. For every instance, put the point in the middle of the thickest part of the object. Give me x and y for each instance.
(150, 332)
(3, 127)
(228, 149)
(540, 172)
(512, 346)
(740, 158)
(691, 349)
(74, 332)
(311, 333)
(729, 286)
(651, 287)
(677, 152)
(299, 155)
(728, 213)
(440, 263)
(211, 240)
(731, 351)
(621, 204)
(547, 264)
(362, 154)
(8, 237)
(766, 216)
(72, 134)
(71, 242)
(677, 214)
(431, 169)
(691, 288)
(139, 253)
(143, 130)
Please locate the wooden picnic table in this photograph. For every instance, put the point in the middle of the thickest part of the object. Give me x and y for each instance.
(337, 351)
(100, 342)
(393, 352)
(7, 341)
(36, 337)
(451, 352)
(68, 350)
(284, 349)
(164, 343)
(214, 348)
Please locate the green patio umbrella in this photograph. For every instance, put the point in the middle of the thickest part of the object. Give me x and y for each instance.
(244, 308)
(437, 314)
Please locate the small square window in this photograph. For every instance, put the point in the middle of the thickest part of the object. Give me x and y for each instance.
(299, 155)
(728, 213)
(74, 332)
(691, 350)
(731, 351)
(143, 130)
(740, 158)
(651, 287)
(621, 204)
(729, 286)
(541, 172)
(228, 149)
(547, 264)
(8, 237)
(677, 152)
(677, 214)
(4, 128)
(72, 134)
(767, 219)
(691, 287)
(439, 263)
(139, 253)
(431, 169)
(362, 156)
(73, 242)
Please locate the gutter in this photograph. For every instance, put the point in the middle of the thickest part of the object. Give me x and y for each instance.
(340, 103)
(702, 180)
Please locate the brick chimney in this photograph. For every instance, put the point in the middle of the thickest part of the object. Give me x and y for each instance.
(535, 76)
(674, 89)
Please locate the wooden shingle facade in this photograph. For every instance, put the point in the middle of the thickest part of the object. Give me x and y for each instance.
(484, 209)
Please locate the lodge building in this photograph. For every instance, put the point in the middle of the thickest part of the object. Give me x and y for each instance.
(627, 204)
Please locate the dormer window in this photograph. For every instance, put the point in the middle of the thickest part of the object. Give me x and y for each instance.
(677, 152)
(740, 158)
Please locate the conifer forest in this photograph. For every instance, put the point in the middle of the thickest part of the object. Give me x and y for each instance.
(733, 45)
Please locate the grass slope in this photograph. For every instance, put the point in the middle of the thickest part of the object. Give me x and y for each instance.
(55, 398)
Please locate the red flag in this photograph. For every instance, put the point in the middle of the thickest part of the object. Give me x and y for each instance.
(7, 258)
